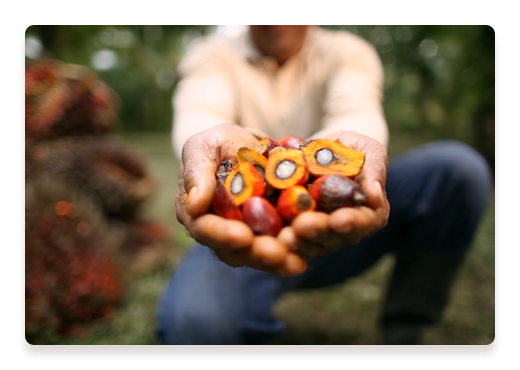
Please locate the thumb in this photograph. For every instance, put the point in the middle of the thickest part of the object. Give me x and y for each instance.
(200, 161)
(201, 157)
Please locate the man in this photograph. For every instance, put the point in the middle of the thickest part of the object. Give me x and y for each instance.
(302, 80)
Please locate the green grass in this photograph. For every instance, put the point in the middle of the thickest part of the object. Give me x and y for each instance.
(345, 314)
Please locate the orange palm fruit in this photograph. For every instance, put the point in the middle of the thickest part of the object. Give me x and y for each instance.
(286, 168)
(252, 156)
(260, 162)
(244, 182)
(293, 201)
(328, 157)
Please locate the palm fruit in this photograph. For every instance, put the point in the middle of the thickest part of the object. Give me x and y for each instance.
(293, 201)
(328, 157)
(336, 191)
(266, 145)
(64, 99)
(72, 272)
(261, 216)
(291, 142)
(223, 204)
(299, 177)
(286, 168)
(244, 182)
(104, 168)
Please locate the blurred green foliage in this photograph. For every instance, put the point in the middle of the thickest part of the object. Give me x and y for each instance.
(439, 80)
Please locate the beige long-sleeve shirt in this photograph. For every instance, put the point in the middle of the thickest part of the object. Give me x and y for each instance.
(334, 83)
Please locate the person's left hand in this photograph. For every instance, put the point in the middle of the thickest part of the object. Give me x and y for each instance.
(315, 233)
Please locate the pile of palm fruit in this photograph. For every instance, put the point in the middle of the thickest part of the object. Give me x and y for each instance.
(271, 184)
(83, 193)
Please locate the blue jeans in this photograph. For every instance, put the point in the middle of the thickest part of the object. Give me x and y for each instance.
(437, 193)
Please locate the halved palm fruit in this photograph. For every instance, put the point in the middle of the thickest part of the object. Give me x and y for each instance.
(329, 157)
(244, 182)
(266, 145)
(286, 168)
(250, 155)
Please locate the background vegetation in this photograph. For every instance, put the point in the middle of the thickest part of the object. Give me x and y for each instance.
(439, 80)
(439, 84)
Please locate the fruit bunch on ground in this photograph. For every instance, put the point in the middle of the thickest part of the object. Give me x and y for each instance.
(72, 271)
(65, 99)
(85, 236)
(272, 184)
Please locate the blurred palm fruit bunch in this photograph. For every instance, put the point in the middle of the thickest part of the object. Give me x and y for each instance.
(272, 184)
(85, 235)
(65, 99)
(73, 274)
(112, 174)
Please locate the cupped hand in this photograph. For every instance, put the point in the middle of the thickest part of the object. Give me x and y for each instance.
(315, 233)
(233, 242)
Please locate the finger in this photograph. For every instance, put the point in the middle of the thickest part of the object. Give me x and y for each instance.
(288, 237)
(219, 233)
(376, 197)
(269, 250)
(180, 200)
(180, 208)
(358, 221)
(302, 246)
(310, 249)
(373, 177)
(200, 161)
(294, 265)
(309, 225)
(233, 258)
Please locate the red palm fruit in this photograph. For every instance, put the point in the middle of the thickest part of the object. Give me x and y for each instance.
(293, 201)
(110, 172)
(291, 142)
(261, 216)
(64, 99)
(72, 271)
(223, 204)
(266, 145)
(336, 191)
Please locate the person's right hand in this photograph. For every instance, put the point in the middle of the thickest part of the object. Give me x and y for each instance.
(233, 242)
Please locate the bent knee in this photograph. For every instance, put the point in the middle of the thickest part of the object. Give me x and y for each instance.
(464, 165)
(197, 325)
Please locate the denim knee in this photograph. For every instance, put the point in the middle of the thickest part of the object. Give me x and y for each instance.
(465, 170)
(201, 303)
(436, 176)
(438, 193)
(194, 324)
